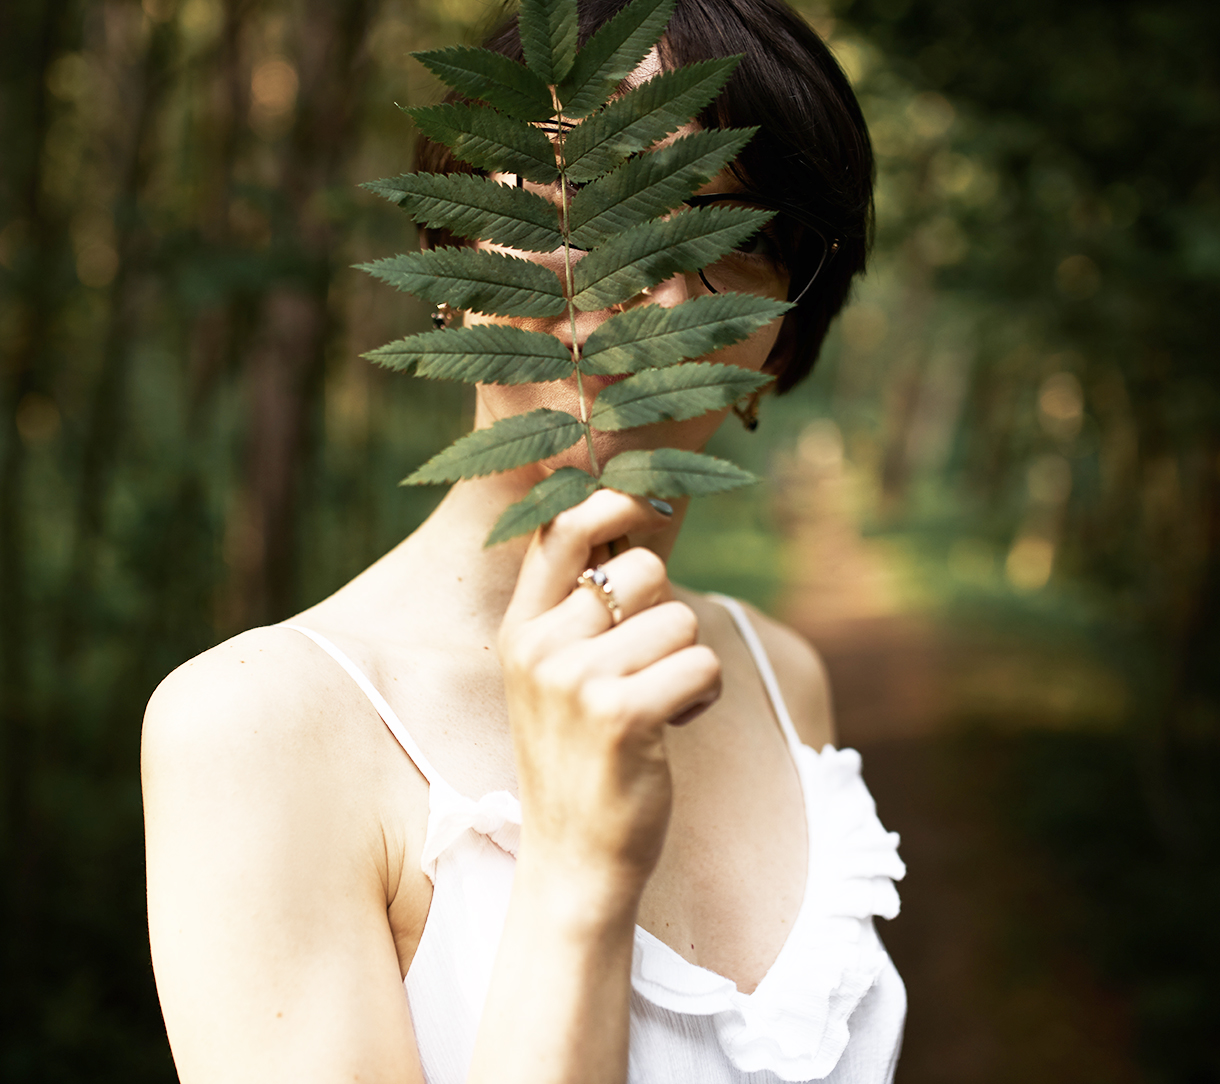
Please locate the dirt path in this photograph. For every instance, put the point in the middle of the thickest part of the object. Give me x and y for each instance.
(997, 991)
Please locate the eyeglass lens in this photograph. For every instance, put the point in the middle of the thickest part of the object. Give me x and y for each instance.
(780, 261)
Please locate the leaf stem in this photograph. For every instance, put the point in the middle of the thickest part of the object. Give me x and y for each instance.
(570, 290)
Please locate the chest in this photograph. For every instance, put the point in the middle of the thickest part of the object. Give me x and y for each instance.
(733, 867)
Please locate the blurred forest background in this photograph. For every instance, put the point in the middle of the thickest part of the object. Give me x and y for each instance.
(995, 507)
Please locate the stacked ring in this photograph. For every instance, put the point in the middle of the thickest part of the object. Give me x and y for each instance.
(598, 582)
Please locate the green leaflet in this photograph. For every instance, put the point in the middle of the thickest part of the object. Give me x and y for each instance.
(548, 37)
(465, 278)
(673, 394)
(475, 207)
(642, 116)
(484, 354)
(645, 255)
(652, 184)
(567, 487)
(493, 78)
(670, 472)
(652, 337)
(510, 442)
(612, 54)
(489, 140)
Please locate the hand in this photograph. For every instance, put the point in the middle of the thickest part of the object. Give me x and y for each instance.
(588, 702)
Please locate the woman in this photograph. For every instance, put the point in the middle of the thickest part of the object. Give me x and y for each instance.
(628, 899)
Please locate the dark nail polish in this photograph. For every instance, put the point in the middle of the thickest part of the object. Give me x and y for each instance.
(664, 507)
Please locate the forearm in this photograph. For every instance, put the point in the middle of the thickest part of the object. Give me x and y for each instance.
(557, 1007)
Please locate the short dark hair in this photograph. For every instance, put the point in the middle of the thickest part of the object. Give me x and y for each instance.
(812, 149)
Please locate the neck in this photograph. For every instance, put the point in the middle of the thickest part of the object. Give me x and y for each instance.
(444, 568)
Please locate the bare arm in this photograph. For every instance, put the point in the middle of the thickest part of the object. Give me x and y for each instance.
(270, 869)
(267, 911)
(588, 705)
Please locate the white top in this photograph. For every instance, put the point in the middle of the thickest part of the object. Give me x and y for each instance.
(831, 1008)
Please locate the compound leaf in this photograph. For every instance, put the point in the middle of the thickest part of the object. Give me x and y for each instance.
(466, 278)
(489, 140)
(511, 442)
(492, 78)
(642, 116)
(671, 472)
(475, 207)
(567, 487)
(548, 37)
(650, 336)
(612, 54)
(673, 394)
(645, 187)
(645, 255)
(483, 354)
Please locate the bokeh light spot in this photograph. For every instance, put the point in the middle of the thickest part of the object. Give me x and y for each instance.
(930, 114)
(37, 419)
(1078, 277)
(864, 327)
(1030, 562)
(1049, 480)
(1061, 405)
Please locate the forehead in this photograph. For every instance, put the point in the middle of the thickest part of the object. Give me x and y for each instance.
(648, 68)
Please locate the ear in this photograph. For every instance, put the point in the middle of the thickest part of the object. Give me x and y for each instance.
(785, 346)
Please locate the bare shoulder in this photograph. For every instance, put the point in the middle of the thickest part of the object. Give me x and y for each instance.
(798, 667)
(260, 691)
(263, 717)
(277, 822)
(802, 677)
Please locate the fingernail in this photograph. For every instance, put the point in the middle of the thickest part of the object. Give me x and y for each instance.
(664, 507)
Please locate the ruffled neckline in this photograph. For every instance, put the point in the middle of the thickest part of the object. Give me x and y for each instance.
(795, 1022)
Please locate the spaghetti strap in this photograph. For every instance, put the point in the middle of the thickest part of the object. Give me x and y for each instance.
(765, 670)
(392, 722)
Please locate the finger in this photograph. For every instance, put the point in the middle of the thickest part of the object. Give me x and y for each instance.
(613, 548)
(645, 639)
(637, 581)
(674, 685)
(560, 551)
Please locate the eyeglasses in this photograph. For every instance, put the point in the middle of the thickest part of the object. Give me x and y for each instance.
(781, 261)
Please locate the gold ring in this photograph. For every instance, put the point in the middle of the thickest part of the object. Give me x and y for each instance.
(598, 582)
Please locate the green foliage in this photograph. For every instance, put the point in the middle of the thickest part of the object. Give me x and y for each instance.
(548, 37)
(489, 140)
(492, 78)
(672, 472)
(643, 116)
(651, 184)
(487, 282)
(673, 394)
(484, 354)
(1048, 180)
(509, 443)
(622, 219)
(567, 487)
(652, 337)
(477, 208)
(642, 256)
(611, 55)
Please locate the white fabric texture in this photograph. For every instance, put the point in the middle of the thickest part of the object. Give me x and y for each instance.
(831, 1007)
